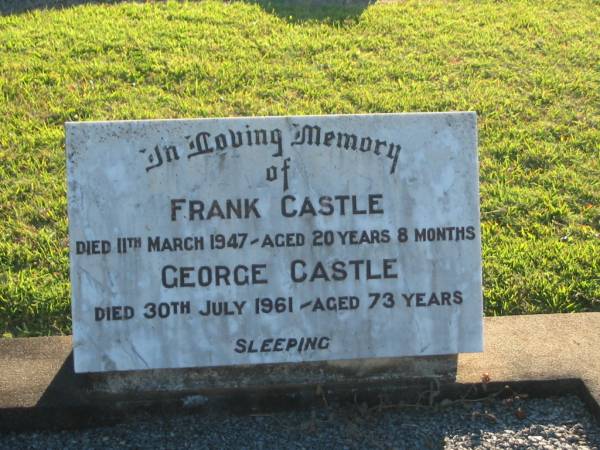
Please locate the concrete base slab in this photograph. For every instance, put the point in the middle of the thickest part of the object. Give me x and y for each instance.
(544, 355)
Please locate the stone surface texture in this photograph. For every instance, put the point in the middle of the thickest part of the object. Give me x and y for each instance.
(212, 242)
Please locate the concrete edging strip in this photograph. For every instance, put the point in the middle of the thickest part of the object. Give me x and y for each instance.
(546, 354)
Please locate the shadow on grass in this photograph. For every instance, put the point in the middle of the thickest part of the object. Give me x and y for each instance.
(330, 11)
(294, 11)
(8, 7)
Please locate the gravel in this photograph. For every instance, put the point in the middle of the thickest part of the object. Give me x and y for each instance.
(516, 423)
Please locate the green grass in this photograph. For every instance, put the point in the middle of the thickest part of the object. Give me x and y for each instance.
(530, 69)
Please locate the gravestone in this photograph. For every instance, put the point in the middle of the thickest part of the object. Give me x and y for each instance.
(215, 242)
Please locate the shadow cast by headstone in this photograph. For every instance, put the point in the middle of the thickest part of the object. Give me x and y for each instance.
(69, 402)
(65, 402)
(327, 11)
(73, 400)
(78, 400)
(330, 11)
(65, 389)
(8, 7)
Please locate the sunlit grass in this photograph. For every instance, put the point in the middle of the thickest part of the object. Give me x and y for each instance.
(530, 69)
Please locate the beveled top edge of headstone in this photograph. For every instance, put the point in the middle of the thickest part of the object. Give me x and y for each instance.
(308, 116)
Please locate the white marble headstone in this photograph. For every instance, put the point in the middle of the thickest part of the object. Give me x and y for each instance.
(273, 239)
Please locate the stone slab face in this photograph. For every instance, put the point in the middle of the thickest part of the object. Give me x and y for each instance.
(214, 242)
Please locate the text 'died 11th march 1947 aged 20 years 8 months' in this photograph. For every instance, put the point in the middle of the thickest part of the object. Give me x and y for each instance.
(212, 242)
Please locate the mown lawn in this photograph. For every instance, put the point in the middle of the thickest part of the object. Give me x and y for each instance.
(531, 70)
